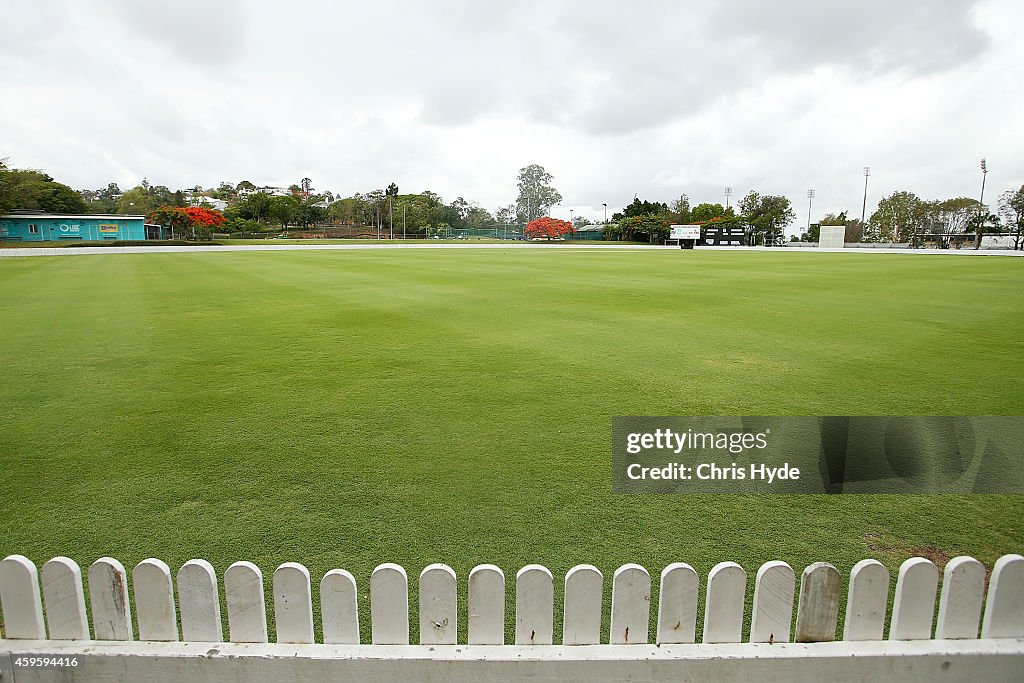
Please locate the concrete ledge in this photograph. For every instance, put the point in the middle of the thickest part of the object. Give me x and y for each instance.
(838, 662)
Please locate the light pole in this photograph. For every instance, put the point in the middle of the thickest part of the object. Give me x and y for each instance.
(570, 215)
(984, 172)
(810, 198)
(605, 205)
(981, 204)
(864, 206)
(728, 193)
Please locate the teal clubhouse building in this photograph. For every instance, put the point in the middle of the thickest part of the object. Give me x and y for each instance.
(29, 227)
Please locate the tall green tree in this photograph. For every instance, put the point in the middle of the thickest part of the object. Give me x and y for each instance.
(281, 210)
(679, 211)
(307, 214)
(536, 193)
(145, 198)
(35, 191)
(505, 215)
(637, 208)
(899, 217)
(704, 212)
(766, 218)
(103, 200)
(224, 191)
(347, 210)
(479, 218)
(138, 200)
(462, 208)
(255, 207)
(942, 219)
(955, 216)
(1011, 210)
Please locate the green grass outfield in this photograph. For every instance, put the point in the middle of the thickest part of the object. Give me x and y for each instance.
(344, 409)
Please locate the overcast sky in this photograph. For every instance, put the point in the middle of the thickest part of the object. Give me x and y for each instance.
(655, 98)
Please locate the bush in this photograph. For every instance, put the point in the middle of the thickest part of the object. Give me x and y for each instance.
(648, 228)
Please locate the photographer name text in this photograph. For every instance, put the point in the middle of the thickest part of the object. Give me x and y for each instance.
(710, 471)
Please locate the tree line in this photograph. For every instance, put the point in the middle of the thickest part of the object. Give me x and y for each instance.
(900, 217)
(905, 217)
(764, 218)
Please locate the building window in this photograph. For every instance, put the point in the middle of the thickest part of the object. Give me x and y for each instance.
(33, 229)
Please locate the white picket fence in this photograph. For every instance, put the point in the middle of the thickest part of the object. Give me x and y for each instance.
(185, 637)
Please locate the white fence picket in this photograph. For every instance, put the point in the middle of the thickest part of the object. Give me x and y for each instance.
(914, 605)
(64, 599)
(439, 623)
(108, 597)
(773, 603)
(199, 603)
(389, 605)
(581, 612)
(866, 601)
(293, 604)
(339, 607)
(247, 610)
(677, 604)
(1004, 607)
(963, 591)
(723, 606)
(535, 601)
(631, 605)
(19, 597)
(818, 612)
(154, 601)
(486, 609)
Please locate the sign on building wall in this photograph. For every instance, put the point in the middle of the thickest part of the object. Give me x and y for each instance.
(108, 227)
(684, 232)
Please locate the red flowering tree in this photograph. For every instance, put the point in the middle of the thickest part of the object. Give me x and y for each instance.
(548, 228)
(199, 216)
(173, 219)
(197, 219)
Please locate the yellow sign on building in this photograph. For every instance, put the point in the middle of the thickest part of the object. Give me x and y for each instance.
(108, 227)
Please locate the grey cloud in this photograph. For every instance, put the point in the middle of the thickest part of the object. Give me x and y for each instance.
(870, 36)
(613, 69)
(203, 34)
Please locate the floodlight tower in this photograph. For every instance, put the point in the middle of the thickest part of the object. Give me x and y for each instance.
(984, 172)
(864, 206)
(981, 201)
(810, 198)
(728, 193)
